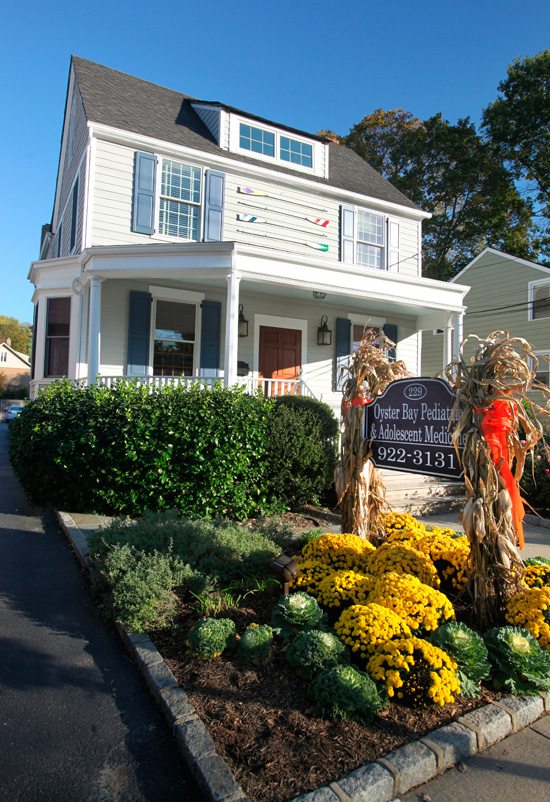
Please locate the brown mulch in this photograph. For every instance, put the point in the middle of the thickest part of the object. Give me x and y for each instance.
(264, 726)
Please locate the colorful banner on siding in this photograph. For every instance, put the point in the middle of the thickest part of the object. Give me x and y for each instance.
(250, 218)
(319, 221)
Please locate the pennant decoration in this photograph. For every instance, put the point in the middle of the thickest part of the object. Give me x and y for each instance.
(318, 246)
(319, 221)
(250, 218)
(250, 191)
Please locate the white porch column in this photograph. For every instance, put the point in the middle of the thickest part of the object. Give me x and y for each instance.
(448, 348)
(94, 335)
(231, 329)
(458, 333)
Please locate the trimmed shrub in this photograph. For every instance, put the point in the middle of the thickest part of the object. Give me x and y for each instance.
(127, 450)
(535, 482)
(207, 452)
(301, 450)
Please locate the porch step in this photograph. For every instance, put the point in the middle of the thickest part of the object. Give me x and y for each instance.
(418, 494)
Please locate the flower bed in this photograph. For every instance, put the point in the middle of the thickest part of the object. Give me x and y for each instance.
(360, 658)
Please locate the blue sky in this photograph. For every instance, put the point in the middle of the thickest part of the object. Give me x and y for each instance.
(311, 65)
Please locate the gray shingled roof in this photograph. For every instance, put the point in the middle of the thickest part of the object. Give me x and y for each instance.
(123, 101)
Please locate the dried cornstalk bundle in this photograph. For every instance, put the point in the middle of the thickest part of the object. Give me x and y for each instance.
(496, 432)
(359, 485)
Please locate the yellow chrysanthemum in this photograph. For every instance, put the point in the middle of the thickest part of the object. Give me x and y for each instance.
(343, 587)
(403, 559)
(402, 526)
(363, 627)
(415, 671)
(530, 610)
(418, 604)
(338, 551)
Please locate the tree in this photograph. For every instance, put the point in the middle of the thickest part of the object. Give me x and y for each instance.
(450, 171)
(20, 334)
(518, 123)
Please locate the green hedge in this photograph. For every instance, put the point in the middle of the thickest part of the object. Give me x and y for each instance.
(207, 452)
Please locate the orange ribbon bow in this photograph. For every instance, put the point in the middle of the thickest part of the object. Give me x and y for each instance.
(496, 421)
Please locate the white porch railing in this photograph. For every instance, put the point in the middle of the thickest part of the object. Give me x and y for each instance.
(269, 387)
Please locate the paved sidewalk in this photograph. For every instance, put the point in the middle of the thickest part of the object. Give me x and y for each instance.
(77, 723)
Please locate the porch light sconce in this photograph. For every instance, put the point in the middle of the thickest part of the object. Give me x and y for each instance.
(286, 569)
(324, 334)
(243, 323)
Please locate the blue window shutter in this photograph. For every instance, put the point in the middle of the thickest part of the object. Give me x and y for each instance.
(213, 206)
(143, 209)
(74, 213)
(390, 330)
(347, 234)
(33, 351)
(210, 337)
(139, 330)
(343, 349)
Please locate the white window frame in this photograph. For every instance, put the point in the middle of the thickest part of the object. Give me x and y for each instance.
(182, 297)
(235, 123)
(382, 248)
(158, 196)
(3, 356)
(545, 356)
(534, 285)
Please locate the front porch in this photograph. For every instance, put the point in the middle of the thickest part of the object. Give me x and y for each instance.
(208, 312)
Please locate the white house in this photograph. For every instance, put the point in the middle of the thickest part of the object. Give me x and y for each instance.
(191, 239)
(15, 368)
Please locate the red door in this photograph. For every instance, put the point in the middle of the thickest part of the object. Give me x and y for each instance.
(280, 360)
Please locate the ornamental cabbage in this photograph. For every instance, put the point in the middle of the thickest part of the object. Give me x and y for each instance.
(313, 651)
(468, 650)
(520, 665)
(296, 612)
(344, 693)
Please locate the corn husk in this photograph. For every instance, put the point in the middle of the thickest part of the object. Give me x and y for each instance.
(359, 485)
(501, 367)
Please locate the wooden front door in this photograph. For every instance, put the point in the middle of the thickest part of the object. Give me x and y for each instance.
(280, 360)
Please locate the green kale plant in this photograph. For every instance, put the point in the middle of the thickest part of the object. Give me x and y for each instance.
(210, 637)
(344, 692)
(296, 612)
(256, 643)
(313, 651)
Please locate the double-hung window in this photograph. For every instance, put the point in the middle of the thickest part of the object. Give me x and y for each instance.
(180, 199)
(58, 318)
(174, 339)
(369, 245)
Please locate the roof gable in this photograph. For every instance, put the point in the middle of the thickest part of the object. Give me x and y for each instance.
(131, 104)
(17, 354)
(499, 256)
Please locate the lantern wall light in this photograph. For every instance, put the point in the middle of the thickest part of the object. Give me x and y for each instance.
(324, 334)
(243, 323)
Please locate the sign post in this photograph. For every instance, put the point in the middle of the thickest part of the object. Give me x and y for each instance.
(408, 428)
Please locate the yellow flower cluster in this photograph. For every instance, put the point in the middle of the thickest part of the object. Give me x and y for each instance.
(363, 627)
(310, 574)
(441, 530)
(403, 559)
(338, 551)
(418, 604)
(402, 526)
(341, 587)
(537, 576)
(451, 556)
(530, 609)
(415, 671)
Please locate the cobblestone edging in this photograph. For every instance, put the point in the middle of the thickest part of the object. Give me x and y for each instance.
(536, 520)
(398, 772)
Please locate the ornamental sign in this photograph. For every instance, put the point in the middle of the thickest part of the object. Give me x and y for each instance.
(408, 426)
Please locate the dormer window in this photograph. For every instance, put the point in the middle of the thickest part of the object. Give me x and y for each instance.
(292, 150)
(257, 140)
(273, 145)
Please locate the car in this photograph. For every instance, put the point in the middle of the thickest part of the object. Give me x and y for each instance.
(12, 412)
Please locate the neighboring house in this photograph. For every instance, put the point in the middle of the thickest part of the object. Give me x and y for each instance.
(15, 368)
(505, 293)
(192, 239)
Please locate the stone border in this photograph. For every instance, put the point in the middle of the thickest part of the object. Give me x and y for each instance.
(382, 781)
(537, 520)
